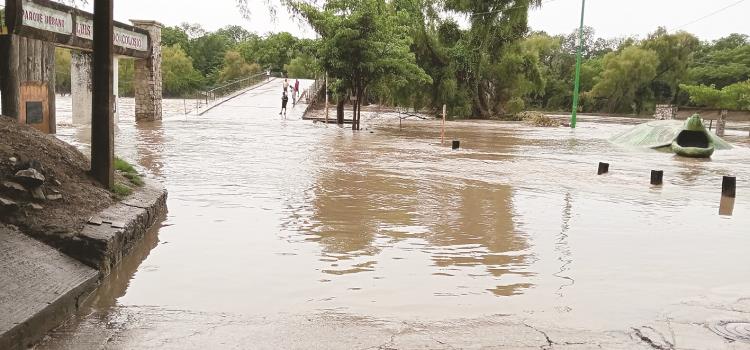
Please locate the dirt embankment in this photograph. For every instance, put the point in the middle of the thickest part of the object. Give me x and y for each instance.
(45, 188)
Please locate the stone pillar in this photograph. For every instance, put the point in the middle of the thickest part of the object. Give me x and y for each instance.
(116, 87)
(147, 83)
(80, 86)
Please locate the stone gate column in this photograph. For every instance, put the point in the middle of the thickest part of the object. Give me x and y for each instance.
(80, 86)
(147, 83)
(116, 88)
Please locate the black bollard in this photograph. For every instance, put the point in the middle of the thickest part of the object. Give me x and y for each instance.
(456, 144)
(729, 186)
(657, 177)
(603, 168)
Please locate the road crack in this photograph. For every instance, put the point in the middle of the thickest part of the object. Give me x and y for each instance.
(651, 342)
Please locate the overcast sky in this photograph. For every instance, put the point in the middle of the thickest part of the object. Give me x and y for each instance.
(609, 18)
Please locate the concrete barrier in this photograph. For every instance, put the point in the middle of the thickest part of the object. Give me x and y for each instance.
(40, 287)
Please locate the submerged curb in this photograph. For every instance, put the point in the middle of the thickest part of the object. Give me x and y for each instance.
(40, 287)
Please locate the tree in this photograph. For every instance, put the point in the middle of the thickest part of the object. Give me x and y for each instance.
(364, 42)
(208, 53)
(675, 53)
(624, 83)
(178, 75)
(126, 74)
(235, 34)
(303, 67)
(171, 36)
(724, 62)
(493, 63)
(235, 67)
(733, 97)
(62, 70)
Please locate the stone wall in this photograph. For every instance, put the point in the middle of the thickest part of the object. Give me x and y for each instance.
(665, 112)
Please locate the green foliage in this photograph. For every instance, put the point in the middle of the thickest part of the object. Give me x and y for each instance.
(124, 166)
(171, 36)
(121, 190)
(365, 43)
(128, 171)
(302, 67)
(723, 62)
(624, 83)
(675, 53)
(208, 53)
(273, 51)
(735, 96)
(235, 67)
(178, 75)
(62, 70)
(126, 75)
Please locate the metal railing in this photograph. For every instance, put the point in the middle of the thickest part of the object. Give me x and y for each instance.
(207, 98)
(312, 93)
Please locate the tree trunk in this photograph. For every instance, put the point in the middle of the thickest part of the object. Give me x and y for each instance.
(354, 114)
(359, 109)
(340, 111)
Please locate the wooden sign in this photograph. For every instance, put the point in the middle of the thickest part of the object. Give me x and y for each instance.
(70, 27)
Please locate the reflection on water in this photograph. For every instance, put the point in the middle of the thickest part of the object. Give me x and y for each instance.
(726, 206)
(275, 217)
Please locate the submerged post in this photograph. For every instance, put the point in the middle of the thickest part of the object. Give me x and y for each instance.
(729, 186)
(657, 177)
(325, 91)
(102, 113)
(573, 118)
(442, 132)
(603, 168)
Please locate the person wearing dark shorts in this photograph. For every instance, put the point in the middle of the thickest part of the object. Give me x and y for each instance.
(284, 100)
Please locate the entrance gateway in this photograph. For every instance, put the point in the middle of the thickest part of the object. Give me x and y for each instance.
(29, 33)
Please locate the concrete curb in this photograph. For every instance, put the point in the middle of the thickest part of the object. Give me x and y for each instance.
(40, 287)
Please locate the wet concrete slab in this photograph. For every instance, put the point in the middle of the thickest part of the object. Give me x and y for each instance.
(39, 288)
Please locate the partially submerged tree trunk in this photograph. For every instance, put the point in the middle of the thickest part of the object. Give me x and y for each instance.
(340, 110)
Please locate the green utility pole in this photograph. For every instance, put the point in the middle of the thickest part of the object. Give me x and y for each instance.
(578, 68)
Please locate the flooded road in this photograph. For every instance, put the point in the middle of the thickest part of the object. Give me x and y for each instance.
(289, 234)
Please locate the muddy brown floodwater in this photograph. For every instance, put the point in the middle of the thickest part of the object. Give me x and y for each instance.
(289, 234)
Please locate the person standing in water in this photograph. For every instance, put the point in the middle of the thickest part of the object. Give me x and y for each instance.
(294, 96)
(284, 100)
(286, 86)
(296, 87)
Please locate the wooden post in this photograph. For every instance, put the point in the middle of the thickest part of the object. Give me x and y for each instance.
(442, 132)
(9, 83)
(729, 186)
(325, 90)
(456, 144)
(603, 168)
(102, 117)
(657, 177)
(726, 206)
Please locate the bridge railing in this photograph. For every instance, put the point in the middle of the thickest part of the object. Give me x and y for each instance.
(204, 99)
(312, 92)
